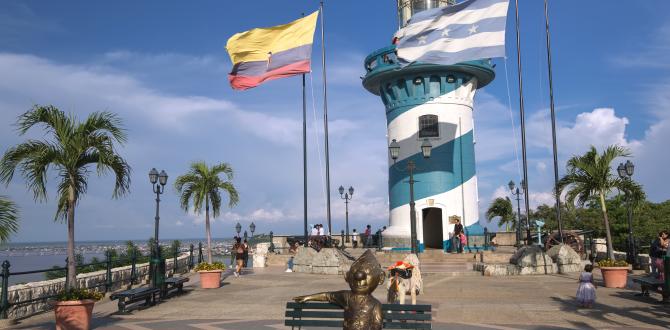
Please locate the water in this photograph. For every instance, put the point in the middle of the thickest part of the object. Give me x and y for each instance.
(38, 256)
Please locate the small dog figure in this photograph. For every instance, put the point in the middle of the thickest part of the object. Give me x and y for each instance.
(404, 279)
(361, 310)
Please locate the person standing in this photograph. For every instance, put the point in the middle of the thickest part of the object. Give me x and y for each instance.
(239, 256)
(354, 238)
(659, 248)
(245, 245)
(586, 292)
(456, 239)
(368, 236)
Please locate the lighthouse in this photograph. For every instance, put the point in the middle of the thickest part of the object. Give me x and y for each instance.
(433, 103)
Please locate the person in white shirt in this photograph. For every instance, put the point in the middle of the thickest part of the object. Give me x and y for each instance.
(321, 230)
(315, 230)
(354, 238)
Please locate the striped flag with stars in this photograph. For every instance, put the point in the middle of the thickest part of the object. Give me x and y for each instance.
(470, 30)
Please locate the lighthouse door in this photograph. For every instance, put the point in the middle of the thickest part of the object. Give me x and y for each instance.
(432, 228)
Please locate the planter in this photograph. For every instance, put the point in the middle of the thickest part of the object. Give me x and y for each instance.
(73, 314)
(210, 279)
(615, 277)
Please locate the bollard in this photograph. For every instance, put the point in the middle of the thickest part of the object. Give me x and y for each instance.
(4, 302)
(108, 276)
(342, 239)
(190, 257)
(133, 267)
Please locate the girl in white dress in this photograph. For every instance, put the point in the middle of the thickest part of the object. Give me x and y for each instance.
(586, 293)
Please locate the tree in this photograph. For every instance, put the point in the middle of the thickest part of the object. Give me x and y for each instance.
(502, 208)
(9, 218)
(70, 147)
(202, 184)
(590, 176)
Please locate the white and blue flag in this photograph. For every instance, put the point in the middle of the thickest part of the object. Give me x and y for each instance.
(470, 30)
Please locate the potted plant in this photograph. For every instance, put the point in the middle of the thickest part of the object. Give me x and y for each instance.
(615, 273)
(74, 308)
(210, 274)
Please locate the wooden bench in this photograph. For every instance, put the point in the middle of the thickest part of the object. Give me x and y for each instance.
(175, 283)
(318, 314)
(132, 297)
(648, 283)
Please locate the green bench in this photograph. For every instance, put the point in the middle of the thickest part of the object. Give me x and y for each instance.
(175, 283)
(648, 283)
(135, 298)
(327, 315)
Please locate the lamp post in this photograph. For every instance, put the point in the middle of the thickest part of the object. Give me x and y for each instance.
(238, 228)
(158, 181)
(347, 197)
(394, 150)
(517, 192)
(252, 228)
(625, 173)
(245, 235)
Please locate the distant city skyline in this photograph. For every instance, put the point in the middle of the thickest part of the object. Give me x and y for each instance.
(162, 68)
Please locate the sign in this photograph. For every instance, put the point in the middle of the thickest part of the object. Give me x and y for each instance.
(453, 219)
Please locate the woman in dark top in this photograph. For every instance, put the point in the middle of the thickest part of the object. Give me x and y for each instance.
(238, 249)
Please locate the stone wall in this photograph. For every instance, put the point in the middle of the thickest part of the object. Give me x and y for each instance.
(328, 261)
(94, 280)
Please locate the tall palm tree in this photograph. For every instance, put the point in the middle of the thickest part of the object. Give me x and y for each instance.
(70, 147)
(202, 184)
(9, 218)
(590, 176)
(502, 207)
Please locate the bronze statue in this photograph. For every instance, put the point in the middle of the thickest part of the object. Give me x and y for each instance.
(361, 310)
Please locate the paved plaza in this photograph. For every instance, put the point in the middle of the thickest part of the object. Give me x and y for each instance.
(257, 300)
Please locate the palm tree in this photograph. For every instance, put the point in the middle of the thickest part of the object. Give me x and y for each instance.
(71, 148)
(589, 176)
(203, 184)
(502, 207)
(9, 218)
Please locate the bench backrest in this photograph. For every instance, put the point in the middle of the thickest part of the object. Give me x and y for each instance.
(316, 314)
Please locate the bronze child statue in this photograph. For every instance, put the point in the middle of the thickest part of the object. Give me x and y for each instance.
(361, 310)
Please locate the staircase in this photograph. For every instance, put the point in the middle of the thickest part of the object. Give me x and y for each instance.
(433, 262)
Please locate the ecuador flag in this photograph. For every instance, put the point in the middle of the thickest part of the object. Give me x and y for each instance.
(270, 53)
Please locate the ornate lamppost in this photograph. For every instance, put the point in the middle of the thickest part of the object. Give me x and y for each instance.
(347, 197)
(518, 192)
(394, 150)
(245, 235)
(625, 173)
(158, 181)
(238, 228)
(252, 228)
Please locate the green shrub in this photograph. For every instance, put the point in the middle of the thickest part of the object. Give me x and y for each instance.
(208, 266)
(78, 294)
(612, 263)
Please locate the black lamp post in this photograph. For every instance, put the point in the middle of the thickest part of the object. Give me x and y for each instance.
(158, 181)
(625, 173)
(518, 192)
(347, 197)
(238, 228)
(245, 235)
(252, 227)
(394, 150)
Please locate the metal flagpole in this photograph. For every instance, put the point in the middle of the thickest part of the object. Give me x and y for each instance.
(325, 121)
(553, 126)
(304, 153)
(523, 125)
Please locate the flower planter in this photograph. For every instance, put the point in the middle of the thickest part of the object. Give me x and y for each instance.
(614, 277)
(73, 314)
(210, 279)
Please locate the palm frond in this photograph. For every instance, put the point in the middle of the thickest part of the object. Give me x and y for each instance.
(9, 218)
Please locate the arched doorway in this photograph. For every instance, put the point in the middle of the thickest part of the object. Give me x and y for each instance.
(432, 228)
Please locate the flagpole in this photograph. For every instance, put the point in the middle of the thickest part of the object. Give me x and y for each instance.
(553, 125)
(325, 121)
(304, 155)
(523, 126)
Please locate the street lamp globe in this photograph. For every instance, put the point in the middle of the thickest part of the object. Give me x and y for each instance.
(238, 228)
(394, 149)
(252, 227)
(341, 190)
(426, 148)
(351, 191)
(621, 169)
(153, 176)
(162, 178)
(629, 168)
(511, 185)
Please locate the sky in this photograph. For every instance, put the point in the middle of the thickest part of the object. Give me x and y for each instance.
(162, 67)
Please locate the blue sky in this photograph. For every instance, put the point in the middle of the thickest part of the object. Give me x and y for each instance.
(163, 68)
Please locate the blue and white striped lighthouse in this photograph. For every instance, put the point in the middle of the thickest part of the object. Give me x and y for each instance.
(435, 103)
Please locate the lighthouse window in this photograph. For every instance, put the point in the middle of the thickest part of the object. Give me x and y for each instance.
(428, 126)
